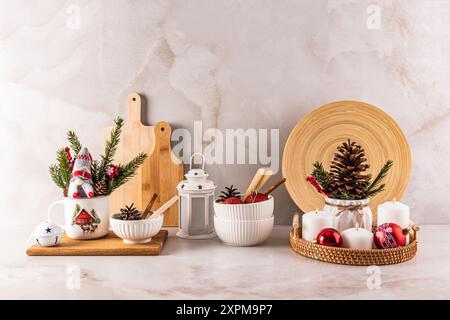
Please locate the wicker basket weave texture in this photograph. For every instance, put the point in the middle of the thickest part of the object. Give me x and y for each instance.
(348, 256)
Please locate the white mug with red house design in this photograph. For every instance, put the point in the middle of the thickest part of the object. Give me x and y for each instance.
(85, 218)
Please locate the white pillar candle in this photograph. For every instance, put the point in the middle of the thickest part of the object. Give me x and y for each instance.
(313, 222)
(357, 238)
(393, 212)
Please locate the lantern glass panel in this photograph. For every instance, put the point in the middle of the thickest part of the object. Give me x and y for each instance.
(198, 226)
(184, 203)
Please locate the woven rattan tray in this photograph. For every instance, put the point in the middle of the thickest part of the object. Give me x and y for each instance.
(356, 257)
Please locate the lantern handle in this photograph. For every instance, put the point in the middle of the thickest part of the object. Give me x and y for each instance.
(192, 160)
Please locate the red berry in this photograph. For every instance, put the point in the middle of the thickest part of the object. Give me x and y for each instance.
(233, 200)
(76, 195)
(253, 198)
(91, 194)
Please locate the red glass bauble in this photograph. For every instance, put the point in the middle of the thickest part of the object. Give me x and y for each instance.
(389, 235)
(329, 237)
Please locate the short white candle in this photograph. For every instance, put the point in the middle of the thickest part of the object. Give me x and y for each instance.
(393, 212)
(357, 238)
(313, 222)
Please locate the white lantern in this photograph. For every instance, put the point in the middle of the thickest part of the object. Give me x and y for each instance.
(196, 203)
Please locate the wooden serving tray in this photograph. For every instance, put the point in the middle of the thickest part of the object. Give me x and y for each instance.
(355, 257)
(110, 245)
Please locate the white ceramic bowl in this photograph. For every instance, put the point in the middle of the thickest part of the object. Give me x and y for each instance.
(243, 233)
(136, 231)
(245, 212)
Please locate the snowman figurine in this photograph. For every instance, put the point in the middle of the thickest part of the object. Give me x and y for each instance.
(81, 180)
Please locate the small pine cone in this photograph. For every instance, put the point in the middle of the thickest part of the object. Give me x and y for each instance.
(129, 213)
(100, 189)
(130, 216)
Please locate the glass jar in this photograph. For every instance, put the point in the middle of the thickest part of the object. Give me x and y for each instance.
(347, 214)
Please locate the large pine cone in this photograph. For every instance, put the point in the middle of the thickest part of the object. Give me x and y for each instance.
(348, 172)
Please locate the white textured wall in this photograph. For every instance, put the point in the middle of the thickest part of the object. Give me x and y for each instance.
(209, 60)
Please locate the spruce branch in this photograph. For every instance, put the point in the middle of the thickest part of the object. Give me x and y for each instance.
(60, 172)
(374, 187)
(322, 176)
(95, 171)
(56, 176)
(376, 191)
(75, 144)
(111, 146)
(126, 172)
(64, 166)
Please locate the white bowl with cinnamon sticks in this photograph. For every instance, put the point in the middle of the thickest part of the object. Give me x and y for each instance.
(244, 220)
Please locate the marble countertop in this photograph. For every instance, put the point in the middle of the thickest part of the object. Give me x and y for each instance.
(208, 269)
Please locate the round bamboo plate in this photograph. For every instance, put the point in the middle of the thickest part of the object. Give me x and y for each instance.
(318, 134)
(356, 257)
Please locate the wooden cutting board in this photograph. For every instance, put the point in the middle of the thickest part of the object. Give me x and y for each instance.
(160, 173)
(110, 245)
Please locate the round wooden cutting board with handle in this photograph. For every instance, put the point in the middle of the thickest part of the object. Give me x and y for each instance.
(160, 173)
(319, 133)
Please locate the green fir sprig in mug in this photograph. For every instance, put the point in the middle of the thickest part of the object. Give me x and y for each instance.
(106, 176)
(347, 178)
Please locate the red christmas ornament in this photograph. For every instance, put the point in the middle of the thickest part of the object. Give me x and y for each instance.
(112, 171)
(389, 235)
(329, 237)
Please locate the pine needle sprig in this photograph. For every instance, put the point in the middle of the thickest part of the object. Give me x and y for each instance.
(375, 186)
(56, 176)
(75, 144)
(60, 172)
(322, 176)
(112, 144)
(95, 171)
(64, 166)
(126, 172)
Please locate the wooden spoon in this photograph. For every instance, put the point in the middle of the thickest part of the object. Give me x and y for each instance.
(255, 181)
(264, 179)
(164, 207)
(149, 206)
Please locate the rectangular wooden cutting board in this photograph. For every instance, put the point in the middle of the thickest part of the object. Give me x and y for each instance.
(160, 173)
(110, 245)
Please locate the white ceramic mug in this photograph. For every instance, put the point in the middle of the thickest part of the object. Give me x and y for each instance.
(84, 218)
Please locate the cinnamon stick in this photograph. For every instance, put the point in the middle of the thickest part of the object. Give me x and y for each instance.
(149, 206)
(276, 185)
